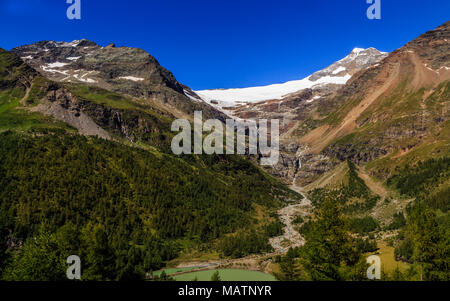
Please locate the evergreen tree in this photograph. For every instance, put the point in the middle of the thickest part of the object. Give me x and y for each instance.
(431, 245)
(329, 247)
(216, 276)
(289, 270)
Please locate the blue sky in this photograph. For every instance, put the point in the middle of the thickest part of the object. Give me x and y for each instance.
(227, 43)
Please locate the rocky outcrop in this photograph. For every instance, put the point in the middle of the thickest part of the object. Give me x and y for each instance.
(14, 73)
(63, 106)
(95, 119)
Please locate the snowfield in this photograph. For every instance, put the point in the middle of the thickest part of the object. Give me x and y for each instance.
(276, 91)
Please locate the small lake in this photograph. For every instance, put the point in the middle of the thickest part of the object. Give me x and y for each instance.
(226, 275)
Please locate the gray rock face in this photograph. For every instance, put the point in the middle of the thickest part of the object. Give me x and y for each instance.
(299, 167)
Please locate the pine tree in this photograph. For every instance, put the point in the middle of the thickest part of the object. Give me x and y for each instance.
(431, 248)
(216, 276)
(289, 270)
(329, 246)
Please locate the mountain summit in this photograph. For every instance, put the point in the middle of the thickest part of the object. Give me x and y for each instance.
(125, 70)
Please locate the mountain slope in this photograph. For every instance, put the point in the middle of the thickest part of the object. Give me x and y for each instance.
(394, 108)
(392, 112)
(123, 203)
(297, 113)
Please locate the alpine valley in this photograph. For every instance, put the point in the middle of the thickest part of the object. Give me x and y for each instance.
(86, 168)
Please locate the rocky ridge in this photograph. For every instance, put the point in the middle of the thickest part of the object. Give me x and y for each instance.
(125, 70)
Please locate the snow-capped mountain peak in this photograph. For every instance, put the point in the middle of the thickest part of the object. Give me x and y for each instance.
(336, 74)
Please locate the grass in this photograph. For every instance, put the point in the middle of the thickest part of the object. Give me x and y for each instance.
(37, 91)
(226, 275)
(388, 262)
(115, 100)
(13, 116)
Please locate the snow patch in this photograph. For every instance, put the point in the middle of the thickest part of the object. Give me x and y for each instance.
(50, 68)
(312, 99)
(222, 98)
(65, 44)
(190, 96)
(83, 78)
(357, 50)
(73, 58)
(133, 78)
(56, 65)
(339, 70)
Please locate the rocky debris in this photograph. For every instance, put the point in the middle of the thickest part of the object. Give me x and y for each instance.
(313, 166)
(86, 62)
(433, 47)
(400, 125)
(290, 237)
(64, 106)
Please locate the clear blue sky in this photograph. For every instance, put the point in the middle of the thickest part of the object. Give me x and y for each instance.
(227, 43)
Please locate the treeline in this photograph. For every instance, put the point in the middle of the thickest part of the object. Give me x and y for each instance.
(103, 256)
(116, 206)
(274, 229)
(398, 221)
(423, 237)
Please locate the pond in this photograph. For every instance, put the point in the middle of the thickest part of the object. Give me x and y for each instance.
(226, 275)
